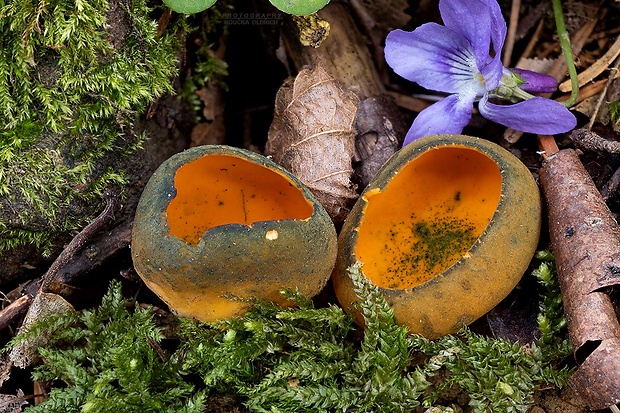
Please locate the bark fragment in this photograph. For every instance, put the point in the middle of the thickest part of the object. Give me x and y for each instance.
(586, 242)
(379, 131)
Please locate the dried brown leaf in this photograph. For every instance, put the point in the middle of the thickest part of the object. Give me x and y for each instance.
(312, 136)
(5, 367)
(212, 131)
(12, 404)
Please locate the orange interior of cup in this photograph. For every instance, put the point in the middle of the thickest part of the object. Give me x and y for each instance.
(430, 214)
(219, 189)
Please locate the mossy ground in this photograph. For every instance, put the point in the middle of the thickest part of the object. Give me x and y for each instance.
(74, 77)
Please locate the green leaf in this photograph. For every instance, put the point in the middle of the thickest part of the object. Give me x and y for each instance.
(299, 7)
(189, 6)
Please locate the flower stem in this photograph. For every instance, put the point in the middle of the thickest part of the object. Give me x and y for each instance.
(567, 51)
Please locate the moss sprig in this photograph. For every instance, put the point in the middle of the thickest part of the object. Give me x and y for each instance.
(109, 360)
(497, 375)
(552, 324)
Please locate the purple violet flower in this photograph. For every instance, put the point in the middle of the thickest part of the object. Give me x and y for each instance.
(462, 59)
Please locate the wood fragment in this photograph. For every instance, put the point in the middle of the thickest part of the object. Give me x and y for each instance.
(94, 255)
(585, 239)
(377, 19)
(590, 90)
(40, 393)
(608, 83)
(586, 139)
(14, 310)
(535, 16)
(375, 143)
(343, 54)
(409, 102)
(577, 43)
(611, 186)
(547, 145)
(533, 40)
(56, 278)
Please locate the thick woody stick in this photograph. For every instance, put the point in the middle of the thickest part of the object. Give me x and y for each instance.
(586, 242)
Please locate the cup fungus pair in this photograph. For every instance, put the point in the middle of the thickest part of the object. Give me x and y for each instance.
(445, 229)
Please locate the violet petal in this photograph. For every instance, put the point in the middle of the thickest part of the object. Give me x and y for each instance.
(472, 20)
(498, 35)
(493, 71)
(433, 56)
(449, 115)
(537, 115)
(498, 27)
(536, 82)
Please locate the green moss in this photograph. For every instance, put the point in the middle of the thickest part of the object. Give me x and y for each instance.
(552, 323)
(614, 112)
(74, 76)
(281, 359)
(111, 360)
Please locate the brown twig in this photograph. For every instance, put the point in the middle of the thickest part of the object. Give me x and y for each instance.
(78, 242)
(596, 68)
(611, 186)
(604, 92)
(533, 40)
(585, 240)
(584, 138)
(558, 71)
(20, 306)
(547, 145)
(14, 310)
(17, 399)
(409, 102)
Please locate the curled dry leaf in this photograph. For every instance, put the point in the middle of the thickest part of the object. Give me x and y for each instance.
(586, 243)
(312, 135)
(12, 404)
(44, 304)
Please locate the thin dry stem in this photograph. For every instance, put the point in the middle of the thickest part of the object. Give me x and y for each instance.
(604, 92)
(512, 31)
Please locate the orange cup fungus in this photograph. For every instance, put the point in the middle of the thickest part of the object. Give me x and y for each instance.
(445, 229)
(217, 221)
